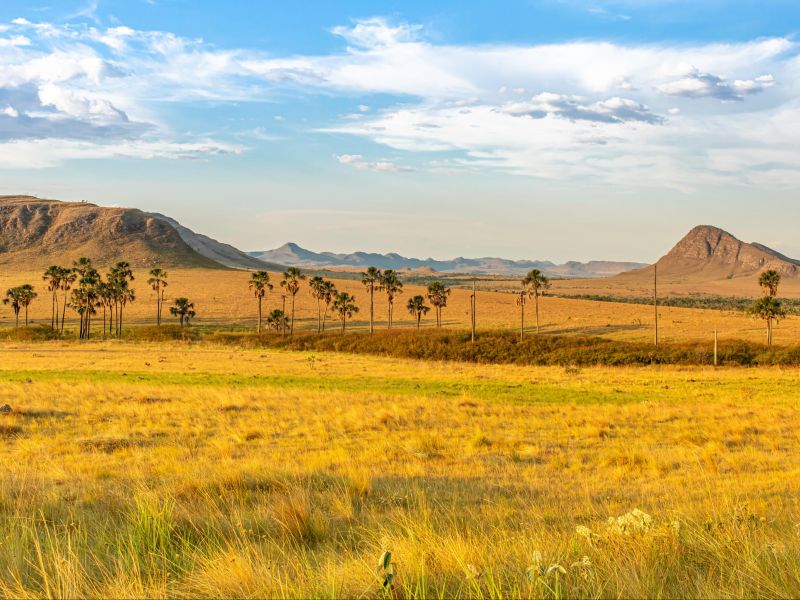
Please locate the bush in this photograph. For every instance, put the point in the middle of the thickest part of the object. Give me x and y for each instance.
(506, 347)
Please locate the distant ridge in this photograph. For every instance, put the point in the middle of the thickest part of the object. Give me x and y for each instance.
(294, 255)
(35, 232)
(708, 253)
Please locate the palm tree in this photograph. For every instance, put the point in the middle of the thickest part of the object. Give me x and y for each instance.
(53, 278)
(13, 297)
(345, 305)
(521, 301)
(105, 297)
(416, 306)
(291, 283)
(183, 309)
(68, 277)
(769, 282)
(318, 292)
(370, 279)
(277, 320)
(536, 283)
(329, 293)
(391, 284)
(119, 279)
(85, 295)
(158, 283)
(437, 295)
(768, 308)
(259, 284)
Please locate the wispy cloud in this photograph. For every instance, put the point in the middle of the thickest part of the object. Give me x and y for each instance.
(386, 166)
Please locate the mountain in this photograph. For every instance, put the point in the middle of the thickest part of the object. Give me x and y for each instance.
(294, 255)
(217, 251)
(35, 233)
(709, 253)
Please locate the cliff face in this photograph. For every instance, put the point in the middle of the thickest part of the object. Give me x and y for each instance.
(35, 233)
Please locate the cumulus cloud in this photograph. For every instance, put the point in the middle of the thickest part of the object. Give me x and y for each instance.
(611, 110)
(358, 161)
(708, 85)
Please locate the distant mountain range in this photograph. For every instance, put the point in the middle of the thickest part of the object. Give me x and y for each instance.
(294, 255)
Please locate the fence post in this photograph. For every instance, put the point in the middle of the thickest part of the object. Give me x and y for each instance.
(715, 346)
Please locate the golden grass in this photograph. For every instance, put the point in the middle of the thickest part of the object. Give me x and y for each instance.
(222, 299)
(194, 470)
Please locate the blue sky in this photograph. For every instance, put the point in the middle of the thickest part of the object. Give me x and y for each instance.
(558, 129)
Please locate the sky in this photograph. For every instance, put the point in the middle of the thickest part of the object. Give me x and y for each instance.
(552, 129)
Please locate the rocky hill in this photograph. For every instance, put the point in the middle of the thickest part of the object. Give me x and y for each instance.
(709, 253)
(36, 232)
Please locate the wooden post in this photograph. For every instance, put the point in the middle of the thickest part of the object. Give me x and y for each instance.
(715, 347)
(655, 299)
(473, 303)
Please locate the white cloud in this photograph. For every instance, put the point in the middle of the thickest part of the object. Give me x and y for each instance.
(707, 85)
(358, 161)
(594, 110)
(10, 111)
(611, 110)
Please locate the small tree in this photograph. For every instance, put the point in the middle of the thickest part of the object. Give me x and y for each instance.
(277, 320)
(417, 307)
(291, 283)
(536, 283)
(437, 295)
(391, 284)
(370, 279)
(183, 309)
(259, 285)
(769, 309)
(345, 306)
(769, 281)
(158, 283)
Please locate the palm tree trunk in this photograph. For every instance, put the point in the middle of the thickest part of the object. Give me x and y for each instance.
(64, 311)
(26, 315)
(343, 323)
(55, 299)
(536, 302)
(16, 324)
(258, 329)
(319, 315)
(371, 307)
(419, 318)
(521, 321)
(324, 316)
(291, 325)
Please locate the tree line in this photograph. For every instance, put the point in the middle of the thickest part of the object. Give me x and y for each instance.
(83, 289)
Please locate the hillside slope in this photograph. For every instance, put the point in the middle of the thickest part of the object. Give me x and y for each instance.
(217, 251)
(709, 253)
(36, 232)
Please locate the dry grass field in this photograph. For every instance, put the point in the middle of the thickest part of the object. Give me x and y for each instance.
(194, 470)
(222, 298)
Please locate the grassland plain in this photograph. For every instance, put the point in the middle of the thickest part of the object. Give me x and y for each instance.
(189, 470)
(222, 299)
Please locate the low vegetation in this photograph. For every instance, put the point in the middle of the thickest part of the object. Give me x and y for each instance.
(156, 470)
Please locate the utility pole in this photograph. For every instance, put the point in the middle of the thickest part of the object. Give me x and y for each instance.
(473, 300)
(655, 299)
